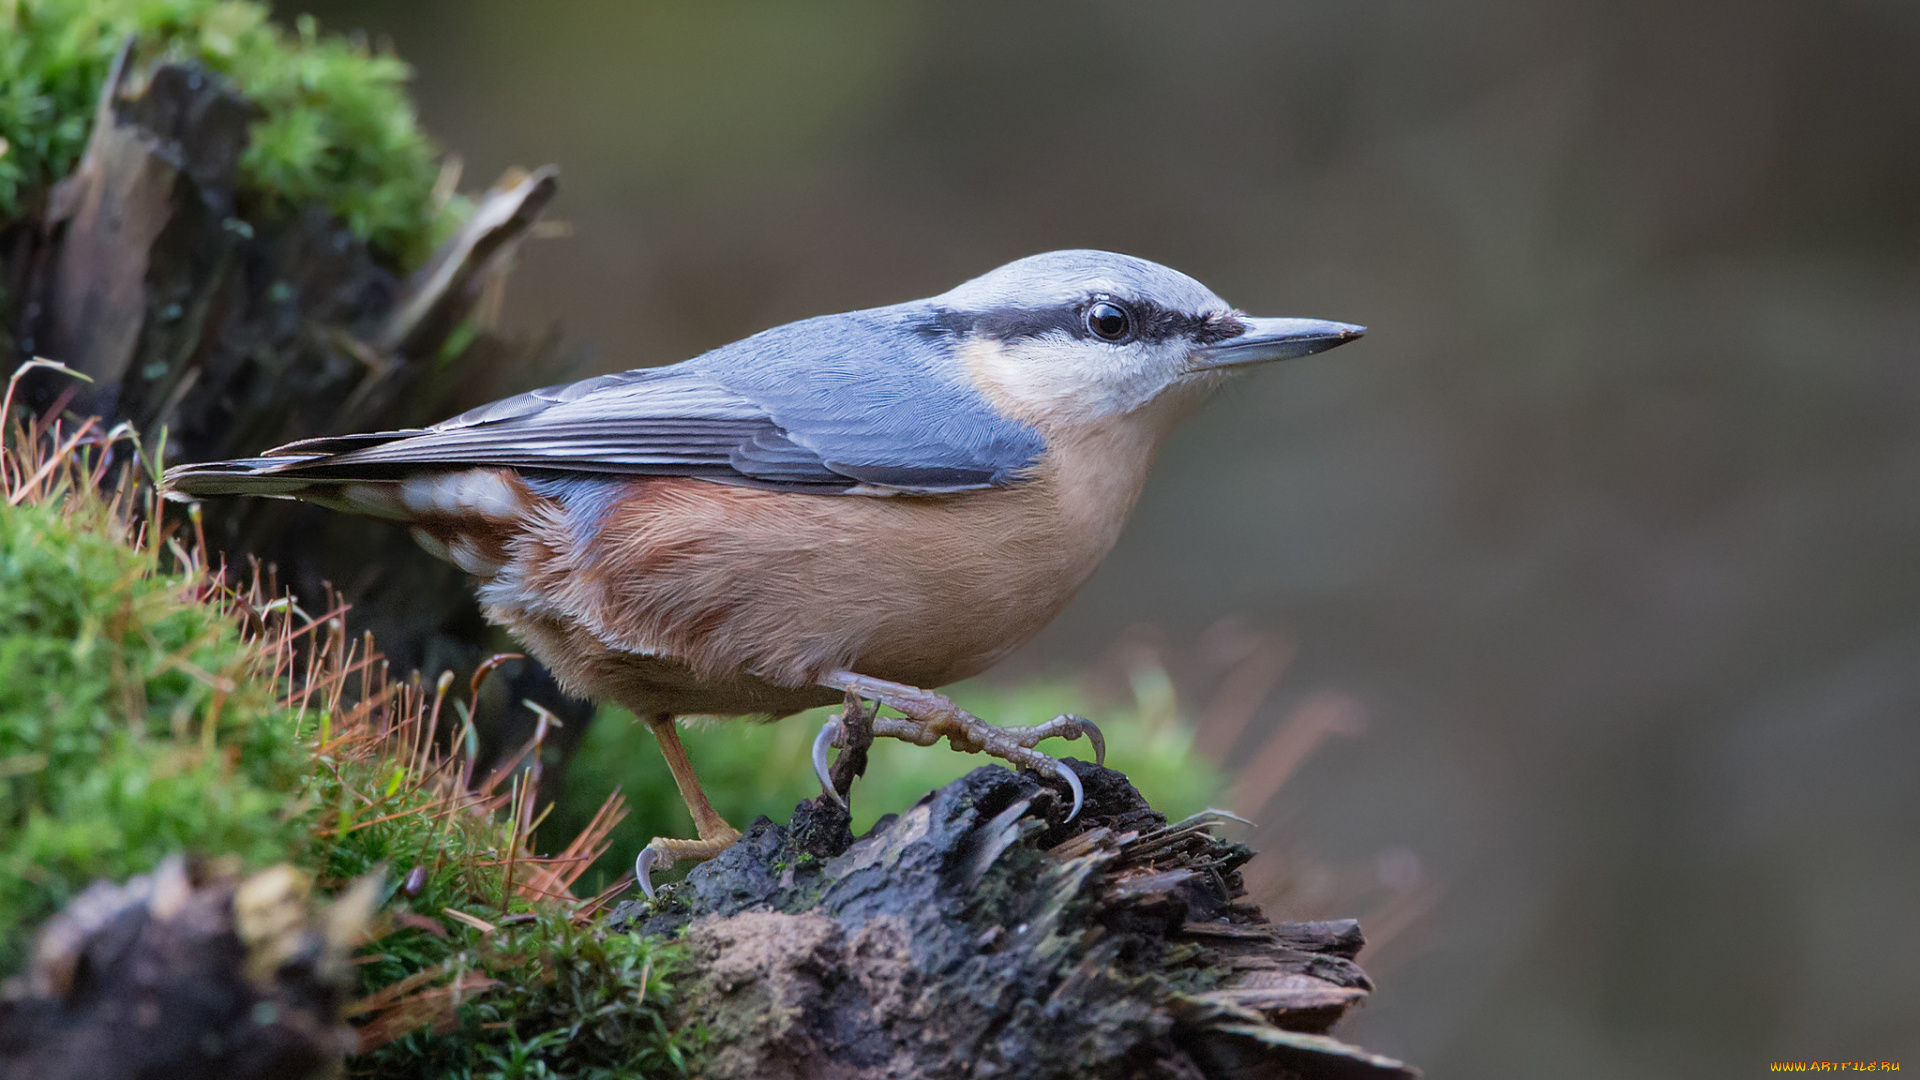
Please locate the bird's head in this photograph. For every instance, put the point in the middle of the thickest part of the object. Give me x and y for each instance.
(1085, 336)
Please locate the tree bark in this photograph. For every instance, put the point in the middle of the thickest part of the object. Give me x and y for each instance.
(980, 935)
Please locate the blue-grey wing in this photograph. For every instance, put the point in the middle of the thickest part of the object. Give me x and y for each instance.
(878, 396)
(867, 398)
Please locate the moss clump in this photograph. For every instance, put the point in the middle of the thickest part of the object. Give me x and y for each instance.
(131, 722)
(336, 128)
(561, 1001)
(540, 996)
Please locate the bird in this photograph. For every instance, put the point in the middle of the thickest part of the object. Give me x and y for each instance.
(864, 506)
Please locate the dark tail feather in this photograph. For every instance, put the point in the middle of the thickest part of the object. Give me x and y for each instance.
(288, 471)
(247, 476)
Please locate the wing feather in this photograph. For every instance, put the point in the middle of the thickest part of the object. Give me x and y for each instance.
(867, 399)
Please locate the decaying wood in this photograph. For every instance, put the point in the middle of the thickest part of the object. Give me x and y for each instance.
(444, 291)
(196, 307)
(978, 935)
(186, 972)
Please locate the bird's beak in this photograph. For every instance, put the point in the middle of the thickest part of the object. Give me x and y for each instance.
(1274, 339)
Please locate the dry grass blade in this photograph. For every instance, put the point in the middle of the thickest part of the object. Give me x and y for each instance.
(437, 1007)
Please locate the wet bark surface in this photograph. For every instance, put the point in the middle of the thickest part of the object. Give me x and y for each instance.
(981, 935)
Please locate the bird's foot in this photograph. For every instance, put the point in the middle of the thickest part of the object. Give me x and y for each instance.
(716, 835)
(929, 717)
(663, 852)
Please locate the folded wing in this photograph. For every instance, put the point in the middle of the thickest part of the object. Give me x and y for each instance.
(864, 400)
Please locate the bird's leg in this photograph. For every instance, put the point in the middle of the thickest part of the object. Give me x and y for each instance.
(931, 717)
(716, 835)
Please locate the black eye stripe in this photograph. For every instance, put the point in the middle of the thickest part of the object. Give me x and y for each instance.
(1151, 323)
(1005, 324)
(1206, 329)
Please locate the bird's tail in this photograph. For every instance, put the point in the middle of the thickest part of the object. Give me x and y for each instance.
(272, 476)
(310, 468)
(462, 497)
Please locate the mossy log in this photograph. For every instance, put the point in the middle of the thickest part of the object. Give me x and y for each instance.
(975, 935)
(980, 935)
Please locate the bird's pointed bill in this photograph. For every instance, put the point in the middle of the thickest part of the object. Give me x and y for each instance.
(1267, 340)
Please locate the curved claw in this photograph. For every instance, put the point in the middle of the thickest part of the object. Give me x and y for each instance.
(1092, 731)
(1073, 783)
(643, 866)
(830, 733)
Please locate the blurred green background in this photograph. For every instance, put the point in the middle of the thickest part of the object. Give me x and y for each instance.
(1611, 525)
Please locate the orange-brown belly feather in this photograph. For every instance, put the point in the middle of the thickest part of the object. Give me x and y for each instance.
(697, 597)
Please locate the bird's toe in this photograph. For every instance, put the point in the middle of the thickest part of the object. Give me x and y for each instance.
(663, 852)
(1061, 769)
(828, 738)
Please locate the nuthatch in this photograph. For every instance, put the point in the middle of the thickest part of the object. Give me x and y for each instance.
(871, 503)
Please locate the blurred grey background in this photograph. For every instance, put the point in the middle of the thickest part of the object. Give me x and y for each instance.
(1612, 523)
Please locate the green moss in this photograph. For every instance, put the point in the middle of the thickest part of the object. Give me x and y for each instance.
(569, 1004)
(130, 726)
(572, 1004)
(336, 127)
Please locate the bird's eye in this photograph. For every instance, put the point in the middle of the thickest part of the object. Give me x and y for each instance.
(1109, 321)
